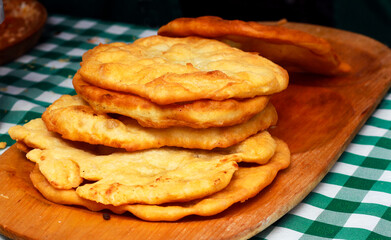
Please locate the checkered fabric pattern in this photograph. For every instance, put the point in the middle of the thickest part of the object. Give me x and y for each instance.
(353, 201)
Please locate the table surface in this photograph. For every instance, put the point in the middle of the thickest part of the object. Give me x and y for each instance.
(353, 201)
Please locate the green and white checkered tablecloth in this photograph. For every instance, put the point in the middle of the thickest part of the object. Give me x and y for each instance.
(353, 201)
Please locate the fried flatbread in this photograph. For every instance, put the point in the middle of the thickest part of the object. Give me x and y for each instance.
(293, 49)
(151, 176)
(196, 114)
(168, 70)
(75, 120)
(258, 148)
(246, 183)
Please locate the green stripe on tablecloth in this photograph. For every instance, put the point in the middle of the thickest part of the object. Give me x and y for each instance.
(353, 233)
(317, 200)
(321, 229)
(372, 208)
(386, 103)
(387, 215)
(377, 163)
(382, 186)
(359, 183)
(360, 139)
(293, 222)
(381, 123)
(384, 143)
(21, 117)
(351, 158)
(336, 179)
(341, 205)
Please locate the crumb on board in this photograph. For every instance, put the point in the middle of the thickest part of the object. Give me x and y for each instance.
(3, 145)
(106, 216)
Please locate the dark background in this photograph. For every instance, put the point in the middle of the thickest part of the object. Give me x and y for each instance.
(368, 17)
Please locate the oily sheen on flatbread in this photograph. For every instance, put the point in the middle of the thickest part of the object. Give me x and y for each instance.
(75, 120)
(196, 114)
(294, 50)
(246, 183)
(151, 176)
(168, 70)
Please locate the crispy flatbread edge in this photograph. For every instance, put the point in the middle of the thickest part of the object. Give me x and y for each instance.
(196, 114)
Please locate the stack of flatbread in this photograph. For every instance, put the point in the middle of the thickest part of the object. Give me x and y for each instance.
(163, 128)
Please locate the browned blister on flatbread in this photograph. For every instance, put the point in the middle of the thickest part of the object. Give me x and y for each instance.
(245, 183)
(295, 50)
(75, 120)
(196, 114)
(169, 70)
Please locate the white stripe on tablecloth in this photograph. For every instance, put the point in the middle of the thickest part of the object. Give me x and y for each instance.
(362, 221)
(307, 211)
(359, 149)
(372, 131)
(279, 233)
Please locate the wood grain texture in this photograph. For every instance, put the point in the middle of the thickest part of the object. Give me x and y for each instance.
(319, 116)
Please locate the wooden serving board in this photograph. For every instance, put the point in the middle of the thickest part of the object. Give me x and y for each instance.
(319, 116)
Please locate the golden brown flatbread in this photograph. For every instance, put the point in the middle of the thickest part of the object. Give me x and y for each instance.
(196, 114)
(169, 70)
(293, 49)
(258, 148)
(75, 120)
(151, 176)
(246, 182)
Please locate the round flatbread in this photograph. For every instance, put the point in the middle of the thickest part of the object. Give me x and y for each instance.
(294, 50)
(246, 183)
(151, 176)
(258, 148)
(195, 114)
(168, 70)
(75, 120)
